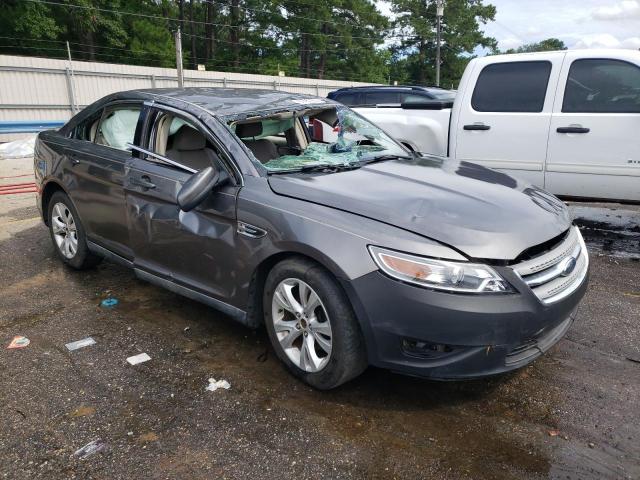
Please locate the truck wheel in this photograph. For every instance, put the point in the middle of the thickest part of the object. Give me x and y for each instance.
(311, 324)
(67, 233)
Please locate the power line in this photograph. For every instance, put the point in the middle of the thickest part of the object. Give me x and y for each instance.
(199, 22)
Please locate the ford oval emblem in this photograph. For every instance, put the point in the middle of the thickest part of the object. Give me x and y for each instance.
(568, 265)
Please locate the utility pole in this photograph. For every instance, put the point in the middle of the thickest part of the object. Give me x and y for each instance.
(178, 38)
(439, 14)
(72, 82)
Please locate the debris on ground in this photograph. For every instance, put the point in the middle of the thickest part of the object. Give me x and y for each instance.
(109, 302)
(85, 342)
(90, 448)
(591, 445)
(83, 411)
(216, 384)
(18, 148)
(19, 342)
(634, 360)
(553, 433)
(140, 358)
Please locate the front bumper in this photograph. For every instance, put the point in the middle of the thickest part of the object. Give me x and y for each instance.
(442, 335)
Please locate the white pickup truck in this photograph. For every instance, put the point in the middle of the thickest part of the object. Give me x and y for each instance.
(566, 121)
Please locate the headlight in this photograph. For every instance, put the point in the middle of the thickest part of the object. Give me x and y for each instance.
(439, 274)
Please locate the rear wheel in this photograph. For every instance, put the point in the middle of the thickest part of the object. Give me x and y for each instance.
(68, 234)
(311, 324)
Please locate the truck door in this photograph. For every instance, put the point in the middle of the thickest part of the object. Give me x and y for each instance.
(594, 139)
(502, 120)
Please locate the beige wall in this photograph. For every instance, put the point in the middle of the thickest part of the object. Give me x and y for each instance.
(34, 88)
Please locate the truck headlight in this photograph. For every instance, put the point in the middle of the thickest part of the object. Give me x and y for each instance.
(439, 274)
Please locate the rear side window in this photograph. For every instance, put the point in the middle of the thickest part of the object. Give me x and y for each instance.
(347, 99)
(602, 86)
(118, 127)
(374, 98)
(87, 128)
(511, 87)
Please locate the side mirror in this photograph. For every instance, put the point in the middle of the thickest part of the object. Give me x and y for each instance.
(196, 189)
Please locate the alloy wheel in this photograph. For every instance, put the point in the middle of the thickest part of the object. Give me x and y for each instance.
(64, 229)
(301, 324)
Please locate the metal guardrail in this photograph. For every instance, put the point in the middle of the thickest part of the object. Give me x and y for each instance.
(29, 126)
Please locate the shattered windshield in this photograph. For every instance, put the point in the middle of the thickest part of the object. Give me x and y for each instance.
(332, 137)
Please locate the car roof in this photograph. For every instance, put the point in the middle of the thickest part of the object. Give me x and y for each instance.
(228, 101)
(388, 87)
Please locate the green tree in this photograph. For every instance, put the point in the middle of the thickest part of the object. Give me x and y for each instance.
(415, 48)
(548, 45)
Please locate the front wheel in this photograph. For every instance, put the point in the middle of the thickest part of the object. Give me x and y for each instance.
(68, 234)
(311, 324)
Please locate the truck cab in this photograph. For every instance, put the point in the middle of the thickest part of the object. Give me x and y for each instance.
(567, 121)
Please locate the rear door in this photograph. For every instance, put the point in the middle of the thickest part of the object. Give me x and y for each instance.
(98, 156)
(504, 114)
(194, 249)
(594, 143)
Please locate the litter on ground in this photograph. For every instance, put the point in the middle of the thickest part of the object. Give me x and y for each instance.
(140, 358)
(90, 448)
(18, 148)
(19, 342)
(85, 342)
(216, 384)
(109, 302)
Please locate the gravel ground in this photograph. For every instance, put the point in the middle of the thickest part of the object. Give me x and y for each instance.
(572, 414)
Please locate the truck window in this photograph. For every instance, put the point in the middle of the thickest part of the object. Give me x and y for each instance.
(348, 99)
(602, 86)
(511, 87)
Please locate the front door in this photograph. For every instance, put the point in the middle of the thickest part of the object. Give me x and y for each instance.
(594, 142)
(195, 248)
(504, 115)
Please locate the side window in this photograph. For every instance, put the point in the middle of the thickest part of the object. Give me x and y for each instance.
(86, 129)
(602, 86)
(117, 127)
(347, 99)
(511, 87)
(412, 97)
(179, 140)
(375, 98)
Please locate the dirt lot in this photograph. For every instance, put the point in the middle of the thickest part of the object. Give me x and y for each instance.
(573, 414)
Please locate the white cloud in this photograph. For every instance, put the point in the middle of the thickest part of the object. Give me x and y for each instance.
(606, 40)
(624, 10)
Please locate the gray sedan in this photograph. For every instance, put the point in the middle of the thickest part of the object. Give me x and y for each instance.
(352, 252)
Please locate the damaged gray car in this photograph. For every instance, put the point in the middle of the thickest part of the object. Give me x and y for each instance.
(293, 212)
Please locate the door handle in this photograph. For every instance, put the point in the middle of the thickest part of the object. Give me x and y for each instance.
(476, 126)
(74, 159)
(144, 182)
(572, 130)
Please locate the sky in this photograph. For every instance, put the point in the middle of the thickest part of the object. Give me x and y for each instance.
(579, 23)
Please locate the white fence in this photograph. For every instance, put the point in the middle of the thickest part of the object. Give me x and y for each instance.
(47, 89)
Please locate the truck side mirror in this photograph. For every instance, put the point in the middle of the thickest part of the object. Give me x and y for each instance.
(196, 189)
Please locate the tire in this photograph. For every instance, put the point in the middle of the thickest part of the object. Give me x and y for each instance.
(70, 243)
(329, 325)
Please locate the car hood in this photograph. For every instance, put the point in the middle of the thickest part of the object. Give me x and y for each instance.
(481, 212)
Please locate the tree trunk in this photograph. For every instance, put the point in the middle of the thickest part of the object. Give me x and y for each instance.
(192, 30)
(303, 54)
(235, 32)
(209, 43)
(91, 54)
(422, 56)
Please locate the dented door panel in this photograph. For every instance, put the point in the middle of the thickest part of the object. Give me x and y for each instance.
(194, 248)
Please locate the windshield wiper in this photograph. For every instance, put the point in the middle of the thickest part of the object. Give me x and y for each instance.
(319, 167)
(382, 158)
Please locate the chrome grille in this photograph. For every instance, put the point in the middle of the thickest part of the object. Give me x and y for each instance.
(557, 273)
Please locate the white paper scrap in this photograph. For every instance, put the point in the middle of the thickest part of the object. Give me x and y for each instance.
(136, 359)
(216, 384)
(85, 342)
